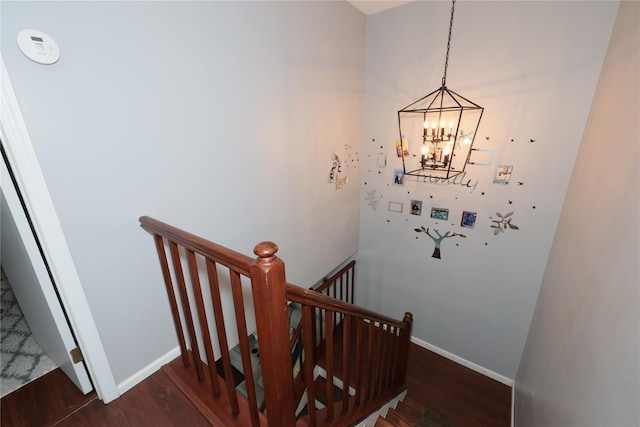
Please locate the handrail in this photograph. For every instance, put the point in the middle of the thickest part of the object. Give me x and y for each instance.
(220, 254)
(306, 296)
(385, 369)
(326, 283)
(374, 351)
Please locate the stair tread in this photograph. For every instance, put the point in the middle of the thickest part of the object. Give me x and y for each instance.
(216, 411)
(414, 404)
(410, 411)
(399, 420)
(381, 422)
(431, 418)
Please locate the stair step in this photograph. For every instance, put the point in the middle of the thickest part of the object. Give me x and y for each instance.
(399, 419)
(216, 411)
(321, 385)
(381, 422)
(433, 419)
(409, 411)
(414, 405)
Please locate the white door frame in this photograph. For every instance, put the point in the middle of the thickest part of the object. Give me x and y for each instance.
(22, 157)
(31, 285)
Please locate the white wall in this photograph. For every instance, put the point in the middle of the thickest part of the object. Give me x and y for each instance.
(217, 117)
(534, 67)
(581, 363)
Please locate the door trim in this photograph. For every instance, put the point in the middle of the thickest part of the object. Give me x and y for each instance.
(29, 177)
(32, 285)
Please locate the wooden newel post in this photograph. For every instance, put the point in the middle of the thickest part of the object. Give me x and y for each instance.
(272, 322)
(405, 340)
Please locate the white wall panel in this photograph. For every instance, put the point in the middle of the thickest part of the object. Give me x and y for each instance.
(533, 66)
(217, 117)
(581, 363)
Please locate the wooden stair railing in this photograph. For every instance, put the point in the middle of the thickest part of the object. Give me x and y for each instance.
(372, 360)
(205, 336)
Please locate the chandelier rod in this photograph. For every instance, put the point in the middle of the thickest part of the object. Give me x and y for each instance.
(446, 60)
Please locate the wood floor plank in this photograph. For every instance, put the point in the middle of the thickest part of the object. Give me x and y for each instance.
(456, 393)
(459, 394)
(43, 401)
(154, 402)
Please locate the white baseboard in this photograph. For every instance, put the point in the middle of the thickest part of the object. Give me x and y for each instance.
(444, 353)
(147, 371)
(154, 366)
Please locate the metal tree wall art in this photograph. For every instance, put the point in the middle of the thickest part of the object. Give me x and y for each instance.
(438, 238)
(504, 221)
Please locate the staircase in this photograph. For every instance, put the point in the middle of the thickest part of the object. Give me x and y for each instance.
(257, 351)
(410, 413)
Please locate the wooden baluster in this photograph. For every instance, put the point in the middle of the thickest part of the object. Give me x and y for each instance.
(387, 358)
(403, 349)
(186, 307)
(204, 324)
(314, 334)
(386, 350)
(396, 354)
(221, 330)
(391, 347)
(321, 316)
(370, 378)
(269, 294)
(335, 314)
(308, 319)
(166, 274)
(245, 352)
(340, 286)
(359, 344)
(376, 380)
(352, 271)
(329, 361)
(382, 370)
(346, 362)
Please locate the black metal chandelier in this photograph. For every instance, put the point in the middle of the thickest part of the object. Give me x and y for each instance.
(447, 124)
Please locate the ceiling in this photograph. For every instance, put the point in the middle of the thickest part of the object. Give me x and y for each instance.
(370, 7)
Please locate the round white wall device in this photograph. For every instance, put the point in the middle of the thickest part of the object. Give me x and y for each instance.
(38, 47)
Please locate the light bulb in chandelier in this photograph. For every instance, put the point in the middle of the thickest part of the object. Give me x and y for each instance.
(438, 119)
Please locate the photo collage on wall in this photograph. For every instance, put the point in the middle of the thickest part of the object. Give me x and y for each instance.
(440, 215)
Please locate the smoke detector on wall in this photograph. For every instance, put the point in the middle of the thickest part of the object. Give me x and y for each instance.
(38, 46)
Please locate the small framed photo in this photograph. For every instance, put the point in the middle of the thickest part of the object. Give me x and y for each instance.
(398, 177)
(503, 174)
(440, 213)
(402, 148)
(468, 219)
(395, 207)
(416, 207)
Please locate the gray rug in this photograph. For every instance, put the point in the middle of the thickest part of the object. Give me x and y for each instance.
(21, 359)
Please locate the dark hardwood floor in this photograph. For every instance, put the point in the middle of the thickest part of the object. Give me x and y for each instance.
(459, 394)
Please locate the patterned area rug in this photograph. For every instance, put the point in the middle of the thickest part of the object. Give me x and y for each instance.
(21, 359)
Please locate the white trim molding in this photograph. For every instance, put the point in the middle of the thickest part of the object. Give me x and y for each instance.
(148, 370)
(444, 353)
(29, 177)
